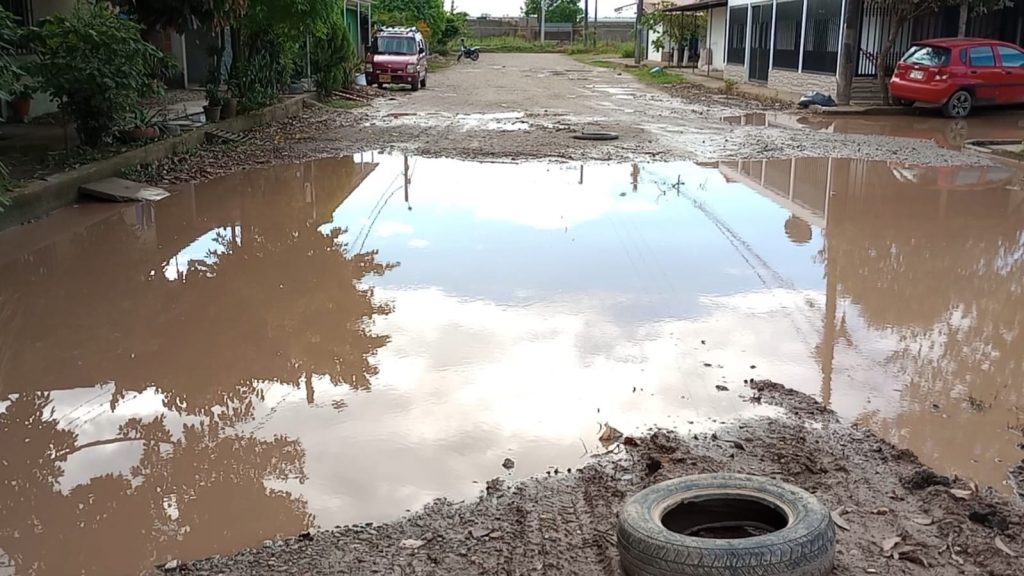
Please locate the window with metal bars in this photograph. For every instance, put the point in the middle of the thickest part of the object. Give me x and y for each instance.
(823, 35)
(737, 43)
(788, 19)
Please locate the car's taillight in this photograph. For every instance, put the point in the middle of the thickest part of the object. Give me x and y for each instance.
(942, 74)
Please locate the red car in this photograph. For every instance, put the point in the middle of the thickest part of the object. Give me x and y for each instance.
(959, 74)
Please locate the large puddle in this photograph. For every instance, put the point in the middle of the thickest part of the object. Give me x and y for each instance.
(343, 340)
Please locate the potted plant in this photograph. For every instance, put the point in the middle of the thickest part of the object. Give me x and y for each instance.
(21, 103)
(142, 126)
(214, 103)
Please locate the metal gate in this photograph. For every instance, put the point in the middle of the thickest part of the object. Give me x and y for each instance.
(760, 41)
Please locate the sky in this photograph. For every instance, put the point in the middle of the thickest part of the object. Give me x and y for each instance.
(606, 8)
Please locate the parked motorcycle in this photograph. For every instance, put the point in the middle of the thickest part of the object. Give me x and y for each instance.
(467, 52)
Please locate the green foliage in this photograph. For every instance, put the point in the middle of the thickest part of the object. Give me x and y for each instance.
(561, 11)
(258, 75)
(292, 20)
(428, 15)
(98, 68)
(334, 61)
(10, 75)
(674, 28)
(181, 15)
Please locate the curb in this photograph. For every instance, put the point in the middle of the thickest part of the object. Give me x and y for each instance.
(56, 191)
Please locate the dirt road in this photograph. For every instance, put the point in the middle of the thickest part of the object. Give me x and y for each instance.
(512, 107)
(528, 106)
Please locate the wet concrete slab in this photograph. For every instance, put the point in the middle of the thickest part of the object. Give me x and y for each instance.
(343, 340)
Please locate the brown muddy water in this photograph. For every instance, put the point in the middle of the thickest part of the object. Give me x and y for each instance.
(344, 340)
(927, 125)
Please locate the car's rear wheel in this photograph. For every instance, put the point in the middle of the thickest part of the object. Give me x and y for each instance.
(423, 83)
(415, 85)
(959, 104)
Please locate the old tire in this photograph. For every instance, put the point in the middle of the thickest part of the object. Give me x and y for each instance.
(959, 104)
(802, 543)
(596, 136)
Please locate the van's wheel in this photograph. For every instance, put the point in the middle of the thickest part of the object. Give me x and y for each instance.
(716, 524)
(380, 86)
(415, 85)
(423, 83)
(959, 105)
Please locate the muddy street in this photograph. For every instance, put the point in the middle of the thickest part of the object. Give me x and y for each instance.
(360, 312)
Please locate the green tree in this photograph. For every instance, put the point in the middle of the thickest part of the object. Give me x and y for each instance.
(560, 11)
(412, 13)
(674, 28)
(97, 67)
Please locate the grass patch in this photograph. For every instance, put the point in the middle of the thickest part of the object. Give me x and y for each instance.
(343, 104)
(437, 64)
(663, 78)
(514, 44)
(620, 49)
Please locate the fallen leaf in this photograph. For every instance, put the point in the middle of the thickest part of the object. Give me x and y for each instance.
(479, 532)
(411, 544)
(1004, 547)
(923, 521)
(889, 543)
(609, 435)
(961, 494)
(839, 521)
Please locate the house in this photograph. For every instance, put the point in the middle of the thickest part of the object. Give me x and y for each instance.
(797, 44)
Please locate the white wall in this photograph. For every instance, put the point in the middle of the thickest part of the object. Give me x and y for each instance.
(652, 52)
(716, 37)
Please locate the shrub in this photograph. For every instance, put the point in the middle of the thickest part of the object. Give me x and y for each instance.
(257, 77)
(98, 68)
(627, 50)
(334, 61)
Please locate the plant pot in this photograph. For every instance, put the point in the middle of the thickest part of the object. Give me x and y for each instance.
(20, 108)
(212, 113)
(229, 109)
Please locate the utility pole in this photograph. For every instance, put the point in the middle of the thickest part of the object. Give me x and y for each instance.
(586, 21)
(543, 9)
(848, 62)
(595, 23)
(638, 49)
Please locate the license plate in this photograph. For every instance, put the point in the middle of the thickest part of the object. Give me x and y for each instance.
(385, 78)
(916, 74)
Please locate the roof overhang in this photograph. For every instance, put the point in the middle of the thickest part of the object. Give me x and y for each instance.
(697, 5)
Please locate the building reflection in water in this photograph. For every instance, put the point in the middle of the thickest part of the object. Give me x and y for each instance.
(931, 262)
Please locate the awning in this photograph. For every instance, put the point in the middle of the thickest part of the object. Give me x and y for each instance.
(697, 6)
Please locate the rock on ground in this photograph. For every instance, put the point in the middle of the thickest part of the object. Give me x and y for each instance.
(902, 518)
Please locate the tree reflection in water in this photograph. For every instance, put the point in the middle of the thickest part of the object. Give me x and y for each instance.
(267, 299)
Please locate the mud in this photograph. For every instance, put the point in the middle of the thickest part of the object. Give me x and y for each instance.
(527, 106)
(565, 523)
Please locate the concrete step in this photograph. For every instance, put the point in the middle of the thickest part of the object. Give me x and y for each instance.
(120, 190)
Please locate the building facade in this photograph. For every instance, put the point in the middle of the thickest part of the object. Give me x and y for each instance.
(797, 44)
